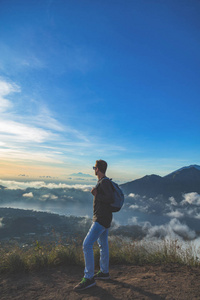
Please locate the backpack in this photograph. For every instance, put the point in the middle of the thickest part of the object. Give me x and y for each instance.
(118, 196)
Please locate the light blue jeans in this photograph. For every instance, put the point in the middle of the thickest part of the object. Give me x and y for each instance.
(97, 233)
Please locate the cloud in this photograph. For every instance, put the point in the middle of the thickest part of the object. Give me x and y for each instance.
(132, 195)
(29, 195)
(56, 198)
(172, 201)
(134, 206)
(13, 154)
(192, 212)
(5, 89)
(14, 185)
(20, 138)
(15, 131)
(133, 221)
(30, 132)
(171, 230)
(191, 198)
(50, 196)
(77, 200)
(175, 214)
(1, 224)
(26, 135)
(44, 118)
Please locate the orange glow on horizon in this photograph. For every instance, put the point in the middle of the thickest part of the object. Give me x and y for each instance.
(17, 170)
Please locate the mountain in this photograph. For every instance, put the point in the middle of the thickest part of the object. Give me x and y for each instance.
(184, 180)
(80, 174)
(187, 167)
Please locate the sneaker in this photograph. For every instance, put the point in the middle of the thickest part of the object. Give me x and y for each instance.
(101, 275)
(85, 284)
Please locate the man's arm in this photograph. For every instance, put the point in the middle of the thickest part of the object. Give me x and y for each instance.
(94, 191)
(108, 194)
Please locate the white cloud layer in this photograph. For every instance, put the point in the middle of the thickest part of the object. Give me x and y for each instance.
(172, 230)
(14, 185)
(77, 200)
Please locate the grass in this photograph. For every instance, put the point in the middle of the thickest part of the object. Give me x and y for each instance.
(16, 259)
(160, 252)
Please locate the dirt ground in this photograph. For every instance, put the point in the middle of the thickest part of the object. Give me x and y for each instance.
(127, 282)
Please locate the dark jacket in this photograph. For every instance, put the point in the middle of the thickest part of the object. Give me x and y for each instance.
(101, 204)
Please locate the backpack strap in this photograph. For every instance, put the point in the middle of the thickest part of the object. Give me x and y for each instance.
(104, 178)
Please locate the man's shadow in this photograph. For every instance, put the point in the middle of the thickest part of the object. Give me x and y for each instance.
(100, 291)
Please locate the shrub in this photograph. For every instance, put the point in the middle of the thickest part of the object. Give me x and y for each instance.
(16, 259)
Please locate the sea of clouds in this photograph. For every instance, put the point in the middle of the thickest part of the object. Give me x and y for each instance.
(157, 218)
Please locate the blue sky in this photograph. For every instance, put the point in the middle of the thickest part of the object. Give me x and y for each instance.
(83, 80)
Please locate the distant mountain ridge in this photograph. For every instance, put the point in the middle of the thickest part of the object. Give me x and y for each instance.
(184, 180)
(187, 167)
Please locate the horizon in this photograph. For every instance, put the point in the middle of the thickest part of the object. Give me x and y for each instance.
(75, 180)
(87, 81)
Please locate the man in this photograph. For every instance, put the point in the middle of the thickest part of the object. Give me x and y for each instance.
(102, 217)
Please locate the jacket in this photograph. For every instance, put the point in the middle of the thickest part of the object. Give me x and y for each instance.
(101, 204)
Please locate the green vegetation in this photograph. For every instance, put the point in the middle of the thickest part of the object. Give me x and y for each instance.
(16, 259)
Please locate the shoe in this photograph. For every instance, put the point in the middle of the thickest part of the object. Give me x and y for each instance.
(101, 275)
(85, 284)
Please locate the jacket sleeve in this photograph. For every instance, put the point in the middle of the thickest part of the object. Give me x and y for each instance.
(105, 192)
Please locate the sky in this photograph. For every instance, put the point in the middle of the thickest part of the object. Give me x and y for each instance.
(85, 80)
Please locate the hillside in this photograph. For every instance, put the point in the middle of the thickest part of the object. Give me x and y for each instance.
(27, 226)
(127, 282)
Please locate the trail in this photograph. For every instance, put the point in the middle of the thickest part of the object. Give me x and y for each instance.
(127, 282)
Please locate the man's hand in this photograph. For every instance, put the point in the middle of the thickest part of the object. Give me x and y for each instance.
(94, 192)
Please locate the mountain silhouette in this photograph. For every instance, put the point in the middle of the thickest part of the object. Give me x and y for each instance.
(184, 180)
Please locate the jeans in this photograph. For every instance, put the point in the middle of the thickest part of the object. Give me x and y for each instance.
(97, 233)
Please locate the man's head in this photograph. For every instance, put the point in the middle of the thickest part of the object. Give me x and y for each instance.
(100, 166)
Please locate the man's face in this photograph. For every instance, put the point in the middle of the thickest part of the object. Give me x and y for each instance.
(96, 169)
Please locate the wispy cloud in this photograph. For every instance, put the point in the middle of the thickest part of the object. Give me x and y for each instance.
(29, 155)
(6, 88)
(16, 131)
(14, 59)
(29, 135)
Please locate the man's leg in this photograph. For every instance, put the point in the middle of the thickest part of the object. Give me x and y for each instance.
(96, 230)
(104, 256)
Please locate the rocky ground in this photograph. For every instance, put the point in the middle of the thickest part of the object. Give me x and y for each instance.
(127, 282)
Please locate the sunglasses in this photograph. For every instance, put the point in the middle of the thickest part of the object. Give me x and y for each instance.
(94, 168)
